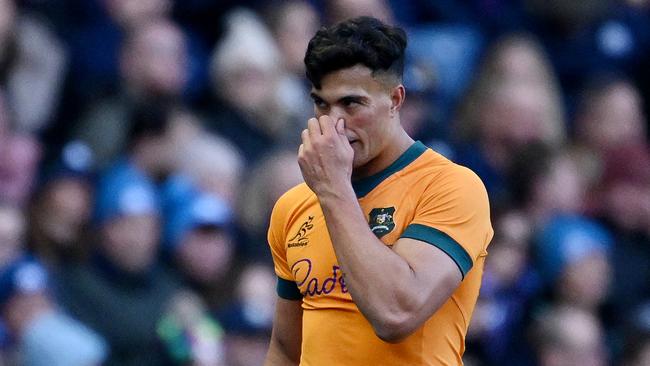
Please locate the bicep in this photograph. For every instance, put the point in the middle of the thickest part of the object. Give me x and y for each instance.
(286, 338)
(436, 275)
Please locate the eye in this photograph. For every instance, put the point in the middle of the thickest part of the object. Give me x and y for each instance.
(320, 104)
(350, 102)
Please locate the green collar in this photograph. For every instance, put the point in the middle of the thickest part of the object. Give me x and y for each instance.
(363, 186)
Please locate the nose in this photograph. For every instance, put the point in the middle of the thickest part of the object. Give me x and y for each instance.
(336, 114)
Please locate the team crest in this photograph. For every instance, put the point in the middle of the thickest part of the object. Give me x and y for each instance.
(381, 221)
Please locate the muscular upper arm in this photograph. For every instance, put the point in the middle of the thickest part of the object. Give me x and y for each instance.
(286, 338)
(435, 278)
(450, 230)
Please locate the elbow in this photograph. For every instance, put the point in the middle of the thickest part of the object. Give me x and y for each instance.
(394, 329)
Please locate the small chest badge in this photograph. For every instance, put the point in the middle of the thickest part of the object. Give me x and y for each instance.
(381, 221)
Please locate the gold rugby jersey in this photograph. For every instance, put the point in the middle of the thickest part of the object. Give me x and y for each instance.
(423, 196)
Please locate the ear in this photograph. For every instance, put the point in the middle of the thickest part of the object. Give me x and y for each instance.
(397, 96)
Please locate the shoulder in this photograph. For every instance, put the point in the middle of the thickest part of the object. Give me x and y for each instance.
(295, 197)
(441, 174)
(291, 202)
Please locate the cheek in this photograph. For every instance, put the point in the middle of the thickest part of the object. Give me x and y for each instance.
(366, 123)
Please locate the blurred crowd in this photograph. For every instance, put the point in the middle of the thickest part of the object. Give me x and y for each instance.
(143, 144)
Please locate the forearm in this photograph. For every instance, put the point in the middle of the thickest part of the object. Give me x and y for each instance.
(366, 261)
(278, 355)
(286, 337)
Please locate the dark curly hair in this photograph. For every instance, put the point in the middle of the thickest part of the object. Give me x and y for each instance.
(362, 40)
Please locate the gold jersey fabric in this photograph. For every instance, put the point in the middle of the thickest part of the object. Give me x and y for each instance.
(422, 195)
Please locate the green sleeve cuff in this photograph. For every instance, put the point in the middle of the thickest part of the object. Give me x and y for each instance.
(288, 289)
(443, 242)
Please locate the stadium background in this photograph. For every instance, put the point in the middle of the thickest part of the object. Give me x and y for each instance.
(144, 142)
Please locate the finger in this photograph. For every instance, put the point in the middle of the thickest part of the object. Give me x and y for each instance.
(340, 126)
(340, 130)
(313, 127)
(327, 125)
(306, 140)
(301, 158)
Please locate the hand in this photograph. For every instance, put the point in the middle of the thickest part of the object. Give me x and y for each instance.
(325, 156)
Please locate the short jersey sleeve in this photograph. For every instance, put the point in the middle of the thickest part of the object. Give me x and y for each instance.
(286, 287)
(453, 214)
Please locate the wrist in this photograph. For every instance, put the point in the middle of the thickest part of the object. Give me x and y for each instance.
(334, 198)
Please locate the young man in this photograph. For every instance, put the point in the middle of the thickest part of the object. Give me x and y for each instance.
(379, 255)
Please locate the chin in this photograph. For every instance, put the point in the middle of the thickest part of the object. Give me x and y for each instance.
(358, 161)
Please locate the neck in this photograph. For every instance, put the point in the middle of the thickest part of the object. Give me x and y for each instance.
(393, 149)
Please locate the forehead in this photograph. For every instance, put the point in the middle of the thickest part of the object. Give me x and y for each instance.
(355, 80)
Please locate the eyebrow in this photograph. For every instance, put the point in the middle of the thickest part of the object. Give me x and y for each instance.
(354, 97)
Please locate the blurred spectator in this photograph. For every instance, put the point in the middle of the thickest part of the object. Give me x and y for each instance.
(255, 108)
(623, 202)
(32, 67)
(293, 23)
(129, 14)
(61, 208)
(588, 37)
(99, 35)
(19, 157)
(12, 234)
(636, 350)
(153, 70)
(213, 164)
(514, 101)
(339, 10)
(574, 257)
(123, 278)
(510, 286)
(199, 241)
(421, 115)
(43, 334)
(268, 180)
(135, 82)
(192, 336)
(549, 181)
(640, 354)
(566, 336)
(610, 115)
(443, 58)
(624, 194)
(248, 320)
(149, 146)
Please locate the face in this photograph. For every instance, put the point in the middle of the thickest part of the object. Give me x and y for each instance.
(513, 116)
(131, 242)
(157, 60)
(131, 13)
(586, 282)
(206, 255)
(65, 209)
(616, 118)
(296, 27)
(562, 188)
(369, 108)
